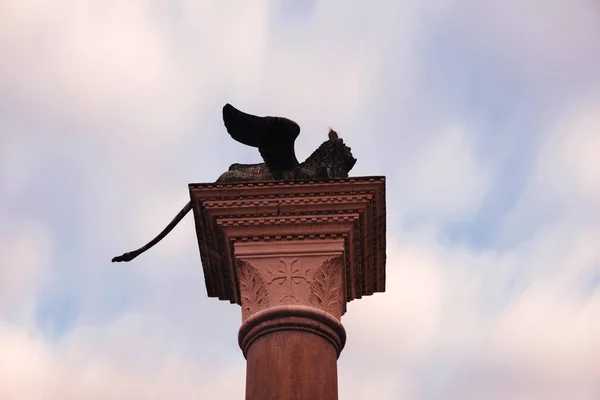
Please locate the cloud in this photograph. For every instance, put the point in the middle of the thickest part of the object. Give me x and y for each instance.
(108, 110)
(570, 158)
(131, 358)
(22, 262)
(447, 167)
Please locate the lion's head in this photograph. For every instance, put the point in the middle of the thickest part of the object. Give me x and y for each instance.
(333, 156)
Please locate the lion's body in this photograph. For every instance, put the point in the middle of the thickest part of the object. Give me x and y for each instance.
(331, 160)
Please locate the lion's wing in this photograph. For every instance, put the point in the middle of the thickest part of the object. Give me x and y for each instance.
(274, 136)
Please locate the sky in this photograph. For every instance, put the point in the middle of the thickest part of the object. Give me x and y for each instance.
(483, 116)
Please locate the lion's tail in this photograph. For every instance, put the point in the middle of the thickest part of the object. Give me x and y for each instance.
(133, 254)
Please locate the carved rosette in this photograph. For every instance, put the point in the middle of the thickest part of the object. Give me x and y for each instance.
(285, 279)
(253, 289)
(325, 288)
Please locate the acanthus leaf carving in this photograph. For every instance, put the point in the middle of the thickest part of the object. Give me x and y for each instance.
(253, 289)
(325, 286)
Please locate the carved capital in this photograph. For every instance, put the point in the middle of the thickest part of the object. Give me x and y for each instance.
(307, 215)
(305, 273)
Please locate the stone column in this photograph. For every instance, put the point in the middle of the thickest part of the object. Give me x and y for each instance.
(292, 254)
(291, 336)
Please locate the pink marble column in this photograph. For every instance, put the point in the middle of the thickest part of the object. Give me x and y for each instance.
(292, 296)
(292, 254)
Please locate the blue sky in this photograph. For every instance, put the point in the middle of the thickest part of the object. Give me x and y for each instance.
(484, 117)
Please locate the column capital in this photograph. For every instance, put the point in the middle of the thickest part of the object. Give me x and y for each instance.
(307, 272)
(268, 224)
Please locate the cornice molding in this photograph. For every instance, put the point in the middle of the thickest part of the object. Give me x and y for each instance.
(352, 209)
